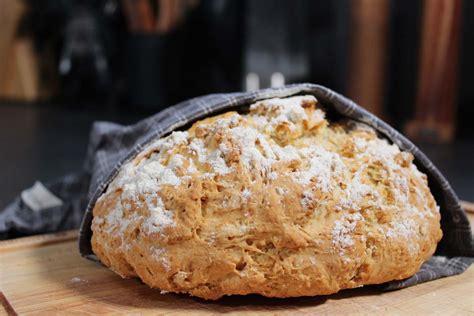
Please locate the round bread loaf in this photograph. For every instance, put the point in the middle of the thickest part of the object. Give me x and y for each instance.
(278, 202)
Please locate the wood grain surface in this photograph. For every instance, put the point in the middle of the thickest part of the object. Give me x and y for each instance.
(44, 275)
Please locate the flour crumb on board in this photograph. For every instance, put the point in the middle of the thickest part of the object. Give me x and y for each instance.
(77, 280)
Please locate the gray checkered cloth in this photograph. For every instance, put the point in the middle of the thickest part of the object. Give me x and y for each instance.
(112, 145)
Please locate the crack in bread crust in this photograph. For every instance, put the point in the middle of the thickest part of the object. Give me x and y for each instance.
(279, 202)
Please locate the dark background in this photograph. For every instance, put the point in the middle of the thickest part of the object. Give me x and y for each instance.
(91, 66)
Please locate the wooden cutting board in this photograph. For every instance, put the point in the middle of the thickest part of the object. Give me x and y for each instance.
(45, 275)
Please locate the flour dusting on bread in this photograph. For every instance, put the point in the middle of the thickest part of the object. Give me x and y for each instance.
(279, 201)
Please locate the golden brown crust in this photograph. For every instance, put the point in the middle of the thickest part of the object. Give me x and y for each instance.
(277, 202)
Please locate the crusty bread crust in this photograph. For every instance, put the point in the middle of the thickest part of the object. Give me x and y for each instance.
(278, 202)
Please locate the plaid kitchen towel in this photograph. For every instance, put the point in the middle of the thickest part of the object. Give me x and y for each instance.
(112, 145)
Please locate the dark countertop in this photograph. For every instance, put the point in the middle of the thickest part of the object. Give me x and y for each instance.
(45, 142)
